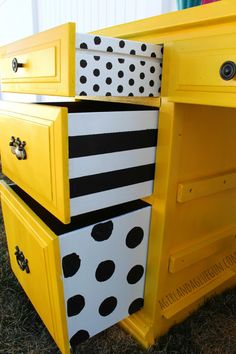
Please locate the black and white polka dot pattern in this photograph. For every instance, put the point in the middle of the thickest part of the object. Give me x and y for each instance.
(108, 284)
(106, 67)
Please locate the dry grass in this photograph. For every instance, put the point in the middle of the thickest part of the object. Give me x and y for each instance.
(211, 330)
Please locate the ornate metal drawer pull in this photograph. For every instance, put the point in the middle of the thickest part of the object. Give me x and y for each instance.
(18, 148)
(21, 260)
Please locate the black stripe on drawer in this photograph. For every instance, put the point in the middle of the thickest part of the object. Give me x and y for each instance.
(109, 180)
(86, 145)
(79, 221)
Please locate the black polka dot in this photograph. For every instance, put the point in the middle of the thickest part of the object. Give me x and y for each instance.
(105, 270)
(161, 65)
(132, 52)
(83, 79)
(152, 69)
(141, 89)
(78, 338)
(142, 62)
(108, 80)
(102, 231)
(134, 237)
(135, 274)
(143, 47)
(150, 95)
(120, 88)
(135, 305)
(96, 57)
(83, 93)
(108, 306)
(160, 76)
(161, 50)
(83, 46)
(108, 93)
(151, 83)
(130, 94)
(96, 88)
(70, 264)
(96, 72)
(131, 82)
(109, 49)
(109, 65)
(153, 55)
(142, 75)
(121, 44)
(159, 90)
(75, 305)
(121, 61)
(83, 63)
(120, 73)
(97, 40)
(132, 67)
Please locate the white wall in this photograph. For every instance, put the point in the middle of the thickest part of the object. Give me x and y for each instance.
(94, 14)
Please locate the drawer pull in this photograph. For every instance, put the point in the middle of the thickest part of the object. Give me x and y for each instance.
(18, 148)
(21, 260)
(16, 65)
(228, 70)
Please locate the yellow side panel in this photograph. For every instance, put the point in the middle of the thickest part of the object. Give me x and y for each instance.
(44, 172)
(48, 60)
(40, 246)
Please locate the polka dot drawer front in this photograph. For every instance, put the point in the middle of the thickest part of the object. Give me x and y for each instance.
(115, 67)
(103, 269)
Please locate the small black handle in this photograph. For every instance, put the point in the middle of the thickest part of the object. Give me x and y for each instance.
(16, 65)
(228, 70)
(21, 260)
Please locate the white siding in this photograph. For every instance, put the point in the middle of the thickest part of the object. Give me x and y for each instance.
(90, 15)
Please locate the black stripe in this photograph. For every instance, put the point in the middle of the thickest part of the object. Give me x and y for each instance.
(99, 106)
(86, 145)
(109, 180)
(78, 221)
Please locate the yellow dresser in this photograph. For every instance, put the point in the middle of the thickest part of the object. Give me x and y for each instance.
(191, 243)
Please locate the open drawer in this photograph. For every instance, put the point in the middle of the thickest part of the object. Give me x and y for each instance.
(62, 63)
(82, 277)
(78, 157)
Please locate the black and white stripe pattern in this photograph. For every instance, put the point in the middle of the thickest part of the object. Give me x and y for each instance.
(111, 158)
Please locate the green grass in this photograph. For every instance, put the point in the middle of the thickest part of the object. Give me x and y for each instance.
(210, 330)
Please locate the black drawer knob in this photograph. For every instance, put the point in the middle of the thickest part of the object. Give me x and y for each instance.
(228, 70)
(16, 65)
(21, 260)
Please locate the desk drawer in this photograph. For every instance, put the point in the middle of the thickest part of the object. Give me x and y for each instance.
(194, 66)
(80, 157)
(98, 277)
(62, 63)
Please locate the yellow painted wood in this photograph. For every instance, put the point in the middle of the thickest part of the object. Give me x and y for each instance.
(204, 187)
(181, 305)
(193, 68)
(189, 23)
(43, 285)
(49, 63)
(207, 247)
(147, 101)
(44, 172)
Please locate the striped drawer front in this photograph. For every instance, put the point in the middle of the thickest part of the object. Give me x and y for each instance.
(111, 157)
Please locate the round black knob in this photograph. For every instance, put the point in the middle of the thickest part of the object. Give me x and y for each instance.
(16, 65)
(228, 70)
